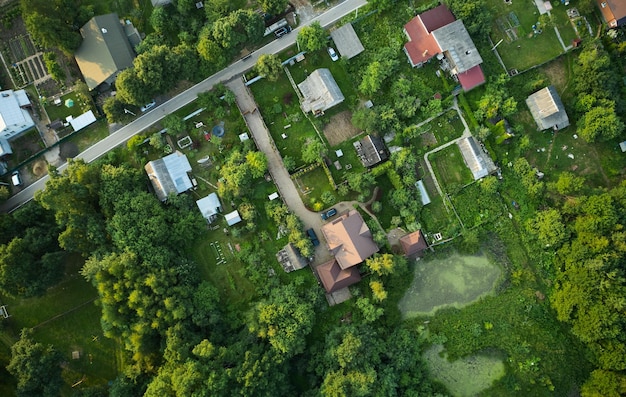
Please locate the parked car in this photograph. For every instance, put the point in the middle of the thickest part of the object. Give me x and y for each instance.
(16, 178)
(333, 54)
(148, 106)
(282, 31)
(313, 237)
(328, 214)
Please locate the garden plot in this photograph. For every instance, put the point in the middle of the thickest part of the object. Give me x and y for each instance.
(450, 169)
(340, 128)
(454, 281)
(464, 377)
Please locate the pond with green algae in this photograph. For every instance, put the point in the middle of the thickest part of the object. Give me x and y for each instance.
(467, 376)
(452, 281)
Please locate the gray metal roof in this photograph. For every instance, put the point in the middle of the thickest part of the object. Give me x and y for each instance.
(320, 91)
(347, 41)
(478, 162)
(169, 175)
(547, 109)
(105, 50)
(209, 206)
(12, 116)
(456, 43)
(232, 218)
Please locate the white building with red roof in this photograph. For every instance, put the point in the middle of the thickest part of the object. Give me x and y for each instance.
(437, 32)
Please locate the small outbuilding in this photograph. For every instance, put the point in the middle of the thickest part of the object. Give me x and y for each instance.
(320, 92)
(82, 121)
(209, 207)
(290, 258)
(371, 150)
(478, 162)
(622, 146)
(233, 218)
(413, 244)
(547, 109)
(347, 41)
(170, 175)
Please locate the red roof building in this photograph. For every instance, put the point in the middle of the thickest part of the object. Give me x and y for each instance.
(413, 244)
(334, 278)
(437, 33)
(613, 12)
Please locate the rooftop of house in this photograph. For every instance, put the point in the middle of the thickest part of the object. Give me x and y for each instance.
(371, 150)
(349, 239)
(169, 175)
(104, 51)
(320, 91)
(613, 11)
(456, 43)
(422, 45)
(334, 278)
(478, 162)
(547, 109)
(12, 112)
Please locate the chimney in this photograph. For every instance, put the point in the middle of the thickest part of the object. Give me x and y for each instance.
(424, 53)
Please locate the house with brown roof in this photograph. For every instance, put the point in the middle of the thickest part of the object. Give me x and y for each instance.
(613, 12)
(334, 278)
(437, 32)
(413, 244)
(349, 239)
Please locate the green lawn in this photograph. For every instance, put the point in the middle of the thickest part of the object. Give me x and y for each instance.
(61, 112)
(311, 186)
(445, 128)
(521, 48)
(450, 168)
(90, 135)
(66, 317)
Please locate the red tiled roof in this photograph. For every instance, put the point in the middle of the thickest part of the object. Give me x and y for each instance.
(334, 278)
(422, 45)
(471, 78)
(413, 243)
(614, 11)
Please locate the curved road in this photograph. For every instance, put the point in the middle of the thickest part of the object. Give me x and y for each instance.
(122, 135)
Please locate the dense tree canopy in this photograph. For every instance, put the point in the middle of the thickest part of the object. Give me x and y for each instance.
(312, 37)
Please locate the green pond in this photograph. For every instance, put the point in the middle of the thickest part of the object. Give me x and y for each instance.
(464, 377)
(456, 280)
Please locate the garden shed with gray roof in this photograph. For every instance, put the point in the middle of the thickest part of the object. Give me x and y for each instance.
(169, 175)
(347, 41)
(547, 109)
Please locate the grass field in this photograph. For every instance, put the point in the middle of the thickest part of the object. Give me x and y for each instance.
(452, 280)
(445, 128)
(66, 317)
(450, 168)
(521, 48)
(465, 377)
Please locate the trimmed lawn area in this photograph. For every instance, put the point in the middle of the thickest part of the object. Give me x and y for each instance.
(91, 135)
(60, 112)
(450, 168)
(521, 48)
(311, 186)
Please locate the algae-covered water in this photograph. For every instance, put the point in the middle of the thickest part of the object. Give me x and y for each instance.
(456, 280)
(464, 377)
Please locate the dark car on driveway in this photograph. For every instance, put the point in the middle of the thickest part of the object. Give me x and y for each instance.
(313, 237)
(331, 212)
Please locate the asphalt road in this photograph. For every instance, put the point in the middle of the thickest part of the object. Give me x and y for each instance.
(142, 123)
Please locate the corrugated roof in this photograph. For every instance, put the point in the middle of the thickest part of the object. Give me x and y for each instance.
(169, 175)
(347, 41)
(547, 109)
(349, 239)
(82, 121)
(209, 206)
(478, 162)
(320, 91)
(104, 51)
(12, 116)
(334, 278)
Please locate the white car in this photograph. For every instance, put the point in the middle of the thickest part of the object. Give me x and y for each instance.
(16, 179)
(333, 54)
(148, 106)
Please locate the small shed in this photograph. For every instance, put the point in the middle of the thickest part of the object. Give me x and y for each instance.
(622, 146)
(371, 150)
(547, 109)
(209, 207)
(347, 41)
(478, 162)
(423, 192)
(290, 258)
(233, 218)
(82, 121)
(170, 175)
(413, 244)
